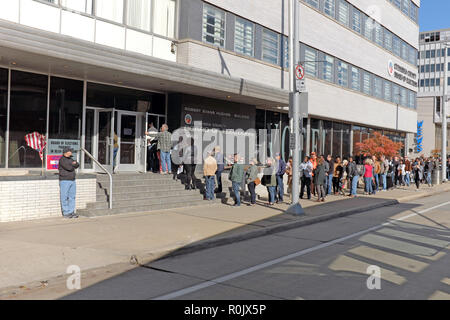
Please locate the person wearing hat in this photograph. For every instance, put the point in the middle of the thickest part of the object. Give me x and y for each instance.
(67, 185)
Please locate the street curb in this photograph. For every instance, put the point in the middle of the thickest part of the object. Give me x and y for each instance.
(275, 229)
(207, 244)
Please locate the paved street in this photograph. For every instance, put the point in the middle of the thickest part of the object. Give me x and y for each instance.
(409, 242)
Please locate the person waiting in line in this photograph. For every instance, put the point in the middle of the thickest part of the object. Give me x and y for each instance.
(428, 169)
(269, 180)
(306, 169)
(236, 177)
(116, 150)
(152, 153)
(189, 158)
(320, 180)
(337, 174)
(220, 168)
(176, 156)
(377, 171)
(251, 176)
(353, 177)
(401, 172)
(330, 172)
(165, 145)
(384, 169)
(281, 170)
(418, 172)
(343, 178)
(209, 171)
(289, 173)
(313, 160)
(67, 183)
(408, 169)
(368, 176)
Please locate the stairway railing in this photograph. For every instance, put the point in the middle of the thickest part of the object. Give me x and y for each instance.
(107, 172)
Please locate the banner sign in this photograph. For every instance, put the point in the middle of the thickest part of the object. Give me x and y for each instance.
(53, 161)
(56, 146)
(419, 138)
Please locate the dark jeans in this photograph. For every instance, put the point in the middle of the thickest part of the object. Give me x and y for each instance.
(280, 188)
(190, 169)
(209, 191)
(251, 189)
(336, 184)
(305, 182)
(219, 181)
(237, 196)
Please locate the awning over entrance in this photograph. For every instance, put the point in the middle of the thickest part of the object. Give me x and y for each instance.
(35, 50)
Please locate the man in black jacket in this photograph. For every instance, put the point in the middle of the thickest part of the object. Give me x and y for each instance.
(67, 184)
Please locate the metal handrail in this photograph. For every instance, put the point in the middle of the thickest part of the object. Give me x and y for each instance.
(106, 171)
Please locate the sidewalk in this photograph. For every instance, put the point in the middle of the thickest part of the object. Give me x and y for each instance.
(43, 249)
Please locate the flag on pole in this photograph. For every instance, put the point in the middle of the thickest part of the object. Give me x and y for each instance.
(37, 142)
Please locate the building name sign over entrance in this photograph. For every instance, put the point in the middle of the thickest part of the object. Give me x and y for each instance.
(402, 74)
(217, 113)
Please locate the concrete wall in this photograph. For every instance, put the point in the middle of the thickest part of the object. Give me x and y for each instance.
(425, 112)
(23, 199)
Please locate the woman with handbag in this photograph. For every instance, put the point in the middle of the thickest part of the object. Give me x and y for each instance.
(251, 179)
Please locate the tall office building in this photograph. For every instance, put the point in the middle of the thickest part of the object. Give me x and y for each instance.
(434, 67)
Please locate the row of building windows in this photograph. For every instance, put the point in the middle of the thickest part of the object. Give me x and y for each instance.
(214, 32)
(156, 16)
(408, 7)
(434, 53)
(326, 67)
(432, 82)
(433, 67)
(354, 19)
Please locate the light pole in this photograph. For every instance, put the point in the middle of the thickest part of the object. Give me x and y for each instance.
(294, 105)
(444, 115)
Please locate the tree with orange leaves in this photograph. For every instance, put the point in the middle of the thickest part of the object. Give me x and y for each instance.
(379, 145)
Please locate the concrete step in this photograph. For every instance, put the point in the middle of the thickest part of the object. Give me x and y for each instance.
(140, 189)
(145, 202)
(133, 209)
(140, 194)
(142, 176)
(124, 183)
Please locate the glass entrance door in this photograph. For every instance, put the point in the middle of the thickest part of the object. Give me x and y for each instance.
(132, 152)
(106, 139)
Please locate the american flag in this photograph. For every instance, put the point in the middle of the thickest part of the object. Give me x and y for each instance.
(37, 142)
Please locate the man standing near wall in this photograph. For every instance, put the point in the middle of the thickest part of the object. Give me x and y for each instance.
(236, 177)
(67, 183)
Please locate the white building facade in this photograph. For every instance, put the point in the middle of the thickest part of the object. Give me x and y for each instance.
(82, 71)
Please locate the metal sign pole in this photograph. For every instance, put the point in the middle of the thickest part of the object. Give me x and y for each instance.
(294, 105)
(444, 117)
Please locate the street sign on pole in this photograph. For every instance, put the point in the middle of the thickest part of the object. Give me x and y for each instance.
(299, 72)
(300, 85)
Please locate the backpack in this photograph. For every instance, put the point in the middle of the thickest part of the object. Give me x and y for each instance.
(360, 169)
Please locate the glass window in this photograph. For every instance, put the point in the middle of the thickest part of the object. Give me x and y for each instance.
(432, 68)
(427, 83)
(405, 7)
(438, 82)
(327, 137)
(356, 20)
(343, 12)
(378, 87)
(387, 91)
(397, 3)
(337, 139)
(314, 3)
(328, 68)
(396, 45)
(387, 40)
(311, 62)
(378, 34)
(213, 26)
(433, 53)
(329, 7)
(138, 14)
(395, 93)
(28, 114)
(270, 43)
(367, 83)
(3, 114)
(404, 97)
(78, 5)
(404, 51)
(66, 106)
(356, 139)
(356, 79)
(427, 68)
(368, 27)
(412, 55)
(243, 37)
(164, 18)
(285, 54)
(346, 131)
(342, 74)
(110, 10)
